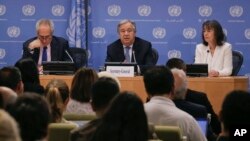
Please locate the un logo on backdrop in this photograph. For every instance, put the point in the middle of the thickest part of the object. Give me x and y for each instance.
(189, 33)
(89, 11)
(159, 32)
(247, 33)
(57, 10)
(114, 10)
(2, 9)
(174, 54)
(2, 53)
(28, 10)
(98, 32)
(144, 10)
(174, 10)
(236, 11)
(13, 31)
(205, 10)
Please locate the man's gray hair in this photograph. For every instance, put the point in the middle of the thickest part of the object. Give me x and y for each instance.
(180, 91)
(124, 22)
(45, 22)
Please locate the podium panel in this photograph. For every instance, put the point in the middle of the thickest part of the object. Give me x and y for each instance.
(216, 88)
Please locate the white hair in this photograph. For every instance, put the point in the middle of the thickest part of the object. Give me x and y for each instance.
(180, 90)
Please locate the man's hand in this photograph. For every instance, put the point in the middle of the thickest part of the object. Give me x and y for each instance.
(35, 44)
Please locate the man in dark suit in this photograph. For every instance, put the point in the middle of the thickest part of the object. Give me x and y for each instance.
(195, 96)
(129, 46)
(46, 47)
(195, 110)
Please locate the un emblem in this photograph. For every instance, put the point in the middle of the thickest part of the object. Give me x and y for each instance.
(13, 31)
(114, 10)
(89, 11)
(57, 10)
(2, 53)
(174, 54)
(189, 33)
(28, 10)
(89, 54)
(98, 32)
(174, 10)
(2, 9)
(247, 33)
(236, 11)
(205, 10)
(159, 32)
(144, 10)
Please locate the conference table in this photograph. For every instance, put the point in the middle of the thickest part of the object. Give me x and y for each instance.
(216, 88)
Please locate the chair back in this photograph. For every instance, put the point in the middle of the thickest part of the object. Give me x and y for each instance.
(155, 56)
(79, 55)
(60, 131)
(237, 62)
(168, 133)
(78, 117)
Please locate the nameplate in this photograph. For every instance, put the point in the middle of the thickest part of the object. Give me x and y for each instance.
(121, 71)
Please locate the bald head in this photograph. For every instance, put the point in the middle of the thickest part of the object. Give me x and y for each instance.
(180, 82)
(8, 96)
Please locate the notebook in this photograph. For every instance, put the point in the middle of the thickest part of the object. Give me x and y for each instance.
(197, 70)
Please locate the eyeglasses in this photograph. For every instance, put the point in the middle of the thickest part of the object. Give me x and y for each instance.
(44, 37)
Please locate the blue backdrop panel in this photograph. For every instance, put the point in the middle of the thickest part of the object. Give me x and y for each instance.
(173, 27)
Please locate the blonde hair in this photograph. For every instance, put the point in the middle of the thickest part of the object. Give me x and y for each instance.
(8, 127)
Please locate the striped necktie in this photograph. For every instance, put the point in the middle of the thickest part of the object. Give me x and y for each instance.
(127, 56)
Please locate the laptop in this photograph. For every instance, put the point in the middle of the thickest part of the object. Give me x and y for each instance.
(198, 70)
(58, 67)
(203, 123)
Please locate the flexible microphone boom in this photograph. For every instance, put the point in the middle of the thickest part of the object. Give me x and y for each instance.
(207, 55)
(138, 68)
(69, 56)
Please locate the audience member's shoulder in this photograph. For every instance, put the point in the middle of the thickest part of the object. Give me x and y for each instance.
(198, 93)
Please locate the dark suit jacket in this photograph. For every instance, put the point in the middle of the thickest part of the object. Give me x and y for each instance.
(58, 47)
(142, 50)
(195, 110)
(201, 98)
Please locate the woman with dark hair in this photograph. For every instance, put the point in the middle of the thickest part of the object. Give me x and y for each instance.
(125, 120)
(30, 75)
(79, 102)
(214, 50)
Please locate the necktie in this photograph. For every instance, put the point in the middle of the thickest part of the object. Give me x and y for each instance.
(127, 56)
(44, 57)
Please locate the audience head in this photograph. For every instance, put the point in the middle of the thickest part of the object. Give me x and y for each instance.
(81, 84)
(180, 82)
(128, 119)
(29, 70)
(57, 94)
(32, 113)
(235, 110)
(45, 29)
(11, 77)
(110, 75)
(215, 26)
(176, 63)
(127, 31)
(103, 90)
(8, 97)
(159, 81)
(8, 127)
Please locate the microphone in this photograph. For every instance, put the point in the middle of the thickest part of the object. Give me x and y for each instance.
(138, 68)
(71, 59)
(207, 55)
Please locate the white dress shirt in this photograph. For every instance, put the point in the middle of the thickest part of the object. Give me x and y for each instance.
(162, 111)
(221, 60)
